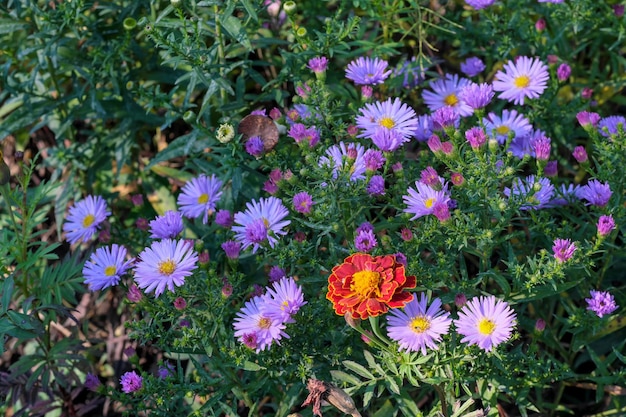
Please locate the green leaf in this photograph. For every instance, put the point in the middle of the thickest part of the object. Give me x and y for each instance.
(251, 366)
(7, 293)
(392, 384)
(358, 369)
(345, 377)
(233, 27)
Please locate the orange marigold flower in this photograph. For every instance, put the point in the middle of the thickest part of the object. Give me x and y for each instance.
(366, 285)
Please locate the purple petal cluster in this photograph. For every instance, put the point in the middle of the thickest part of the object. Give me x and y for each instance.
(199, 196)
(167, 226)
(346, 159)
(367, 71)
(601, 302)
(261, 222)
(85, 218)
(533, 193)
(422, 200)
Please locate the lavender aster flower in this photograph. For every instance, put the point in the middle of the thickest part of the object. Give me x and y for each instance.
(480, 4)
(231, 248)
(524, 78)
(374, 160)
(477, 96)
(605, 225)
(472, 66)
(131, 382)
(345, 158)
(601, 303)
(422, 200)
(318, 64)
(199, 196)
(541, 147)
(418, 326)
(564, 195)
(302, 202)
(445, 117)
(476, 137)
(251, 320)
(608, 126)
(391, 115)
(533, 193)
(261, 222)
(368, 71)
(446, 93)
(84, 218)
(387, 140)
(511, 121)
(254, 146)
(424, 128)
(486, 322)
(365, 241)
(92, 382)
(588, 119)
(224, 218)
(283, 300)
(364, 227)
(105, 267)
(376, 185)
(167, 226)
(165, 263)
(276, 274)
(563, 72)
(596, 193)
(563, 250)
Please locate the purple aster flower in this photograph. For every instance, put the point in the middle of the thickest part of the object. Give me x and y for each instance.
(387, 140)
(618, 10)
(261, 222)
(550, 1)
(511, 121)
(521, 146)
(422, 200)
(391, 115)
(364, 227)
(418, 326)
(368, 71)
(254, 146)
(318, 64)
(376, 185)
(588, 119)
(346, 159)
(477, 96)
(596, 193)
(563, 72)
(434, 143)
(605, 225)
(401, 258)
(231, 248)
(472, 66)
(608, 126)
(580, 154)
(365, 241)
(524, 78)
(601, 302)
(446, 93)
(412, 72)
(480, 4)
(476, 137)
(167, 226)
(276, 274)
(165, 370)
(486, 322)
(165, 263)
(259, 112)
(541, 147)
(283, 300)
(131, 382)
(224, 218)
(551, 169)
(199, 196)
(85, 218)
(563, 250)
(374, 160)
(445, 117)
(134, 294)
(300, 134)
(564, 195)
(250, 320)
(105, 267)
(424, 128)
(533, 193)
(270, 187)
(302, 202)
(442, 211)
(431, 178)
(92, 382)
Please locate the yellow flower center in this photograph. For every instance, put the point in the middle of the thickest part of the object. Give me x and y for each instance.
(365, 284)
(284, 305)
(420, 324)
(266, 223)
(167, 267)
(264, 323)
(203, 198)
(503, 130)
(429, 203)
(88, 220)
(451, 100)
(110, 270)
(486, 326)
(522, 81)
(387, 122)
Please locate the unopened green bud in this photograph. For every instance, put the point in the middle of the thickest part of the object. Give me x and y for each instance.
(225, 133)
(129, 23)
(189, 116)
(301, 32)
(289, 7)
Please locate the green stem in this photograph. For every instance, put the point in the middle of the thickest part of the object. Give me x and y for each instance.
(442, 397)
(220, 47)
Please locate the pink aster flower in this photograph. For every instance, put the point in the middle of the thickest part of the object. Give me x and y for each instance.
(418, 326)
(199, 196)
(524, 78)
(486, 322)
(302, 202)
(563, 250)
(606, 224)
(601, 302)
(131, 382)
(318, 64)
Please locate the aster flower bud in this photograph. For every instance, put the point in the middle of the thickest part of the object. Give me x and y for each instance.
(434, 143)
(540, 24)
(587, 93)
(580, 154)
(606, 224)
(460, 300)
(540, 325)
(366, 92)
(563, 72)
